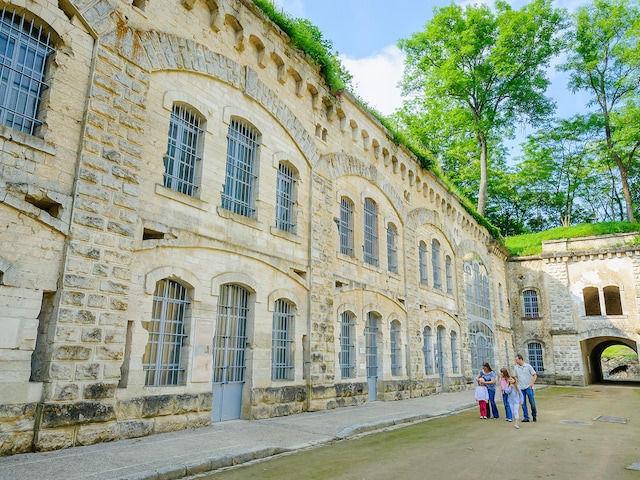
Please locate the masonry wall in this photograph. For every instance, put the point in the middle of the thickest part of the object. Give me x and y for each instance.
(89, 229)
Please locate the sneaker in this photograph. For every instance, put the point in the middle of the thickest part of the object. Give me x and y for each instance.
(517, 426)
(535, 419)
(525, 420)
(509, 420)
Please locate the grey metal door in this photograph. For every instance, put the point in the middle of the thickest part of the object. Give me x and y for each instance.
(371, 352)
(229, 351)
(440, 355)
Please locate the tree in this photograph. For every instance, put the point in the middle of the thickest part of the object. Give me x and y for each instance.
(604, 60)
(490, 66)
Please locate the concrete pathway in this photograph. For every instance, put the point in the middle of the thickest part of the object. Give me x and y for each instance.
(189, 452)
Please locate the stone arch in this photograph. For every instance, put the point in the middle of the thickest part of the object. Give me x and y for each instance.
(593, 347)
(233, 277)
(174, 273)
(282, 293)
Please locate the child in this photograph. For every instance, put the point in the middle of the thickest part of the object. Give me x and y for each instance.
(504, 383)
(482, 396)
(516, 398)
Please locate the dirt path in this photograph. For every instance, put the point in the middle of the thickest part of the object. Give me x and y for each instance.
(565, 443)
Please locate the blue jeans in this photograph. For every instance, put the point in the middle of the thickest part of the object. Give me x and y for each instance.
(528, 394)
(492, 404)
(507, 408)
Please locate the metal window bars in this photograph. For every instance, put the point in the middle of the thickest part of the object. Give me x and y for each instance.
(24, 50)
(454, 352)
(162, 359)
(285, 184)
(530, 298)
(346, 227)
(347, 345)
(396, 350)
(535, 356)
(370, 232)
(392, 248)
(282, 341)
(182, 150)
(427, 350)
(435, 264)
(448, 268)
(238, 193)
(422, 261)
(371, 343)
(230, 339)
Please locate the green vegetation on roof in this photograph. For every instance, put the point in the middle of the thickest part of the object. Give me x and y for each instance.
(531, 243)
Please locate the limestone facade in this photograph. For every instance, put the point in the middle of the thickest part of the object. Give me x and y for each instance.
(199, 230)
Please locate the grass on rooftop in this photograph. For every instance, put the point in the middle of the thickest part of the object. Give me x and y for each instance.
(531, 243)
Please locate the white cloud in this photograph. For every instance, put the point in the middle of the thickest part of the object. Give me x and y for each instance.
(376, 78)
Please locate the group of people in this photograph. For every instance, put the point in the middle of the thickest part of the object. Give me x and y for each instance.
(516, 391)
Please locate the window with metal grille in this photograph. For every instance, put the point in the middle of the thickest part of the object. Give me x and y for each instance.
(161, 361)
(370, 232)
(477, 287)
(612, 303)
(481, 345)
(346, 227)
(392, 248)
(285, 201)
(24, 50)
(347, 345)
(535, 356)
(435, 264)
(427, 350)
(455, 363)
(282, 341)
(230, 339)
(530, 298)
(183, 145)
(422, 260)
(371, 342)
(242, 147)
(448, 269)
(396, 348)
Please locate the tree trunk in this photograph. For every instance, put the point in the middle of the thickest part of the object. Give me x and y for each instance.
(482, 190)
(622, 168)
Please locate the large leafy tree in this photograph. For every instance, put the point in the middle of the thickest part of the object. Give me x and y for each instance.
(489, 65)
(604, 59)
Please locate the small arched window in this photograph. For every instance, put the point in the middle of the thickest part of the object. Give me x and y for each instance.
(392, 248)
(285, 198)
(591, 302)
(182, 160)
(347, 345)
(612, 303)
(396, 349)
(535, 356)
(238, 195)
(435, 264)
(448, 269)
(370, 232)
(346, 227)
(427, 350)
(282, 341)
(422, 261)
(455, 364)
(530, 300)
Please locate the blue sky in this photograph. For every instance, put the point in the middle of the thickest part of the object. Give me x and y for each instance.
(366, 32)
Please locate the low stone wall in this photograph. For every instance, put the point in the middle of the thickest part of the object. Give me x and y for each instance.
(278, 402)
(347, 394)
(17, 424)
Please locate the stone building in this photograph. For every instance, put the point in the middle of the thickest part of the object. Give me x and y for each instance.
(193, 228)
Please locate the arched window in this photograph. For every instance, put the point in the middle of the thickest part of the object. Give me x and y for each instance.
(396, 348)
(370, 232)
(285, 198)
(591, 302)
(182, 159)
(239, 185)
(392, 248)
(282, 341)
(427, 350)
(435, 264)
(455, 363)
(448, 268)
(347, 345)
(24, 50)
(612, 303)
(422, 260)
(477, 287)
(530, 302)
(346, 227)
(480, 344)
(162, 362)
(535, 356)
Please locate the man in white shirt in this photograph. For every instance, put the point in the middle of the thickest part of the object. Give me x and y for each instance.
(526, 376)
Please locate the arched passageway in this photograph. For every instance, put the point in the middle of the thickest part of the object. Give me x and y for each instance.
(593, 350)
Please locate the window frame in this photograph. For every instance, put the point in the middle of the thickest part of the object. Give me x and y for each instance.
(392, 248)
(345, 226)
(530, 303)
(395, 348)
(422, 262)
(436, 267)
(347, 344)
(536, 358)
(286, 181)
(282, 340)
(370, 227)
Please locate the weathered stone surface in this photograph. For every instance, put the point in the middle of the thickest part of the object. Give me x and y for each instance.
(97, 433)
(169, 423)
(59, 415)
(136, 428)
(99, 390)
(54, 439)
(158, 405)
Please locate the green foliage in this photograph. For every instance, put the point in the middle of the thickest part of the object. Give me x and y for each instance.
(619, 351)
(531, 243)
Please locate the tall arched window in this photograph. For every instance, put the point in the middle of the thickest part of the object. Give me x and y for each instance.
(591, 299)
(346, 227)
(435, 264)
(481, 345)
(477, 286)
(535, 356)
(612, 303)
(422, 260)
(347, 345)
(448, 268)
(24, 50)
(427, 350)
(530, 301)
(396, 348)
(239, 186)
(455, 360)
(183, 146)
(392, 248)
(282, 341)
(370, 232)
(285, 198)
(162, 362)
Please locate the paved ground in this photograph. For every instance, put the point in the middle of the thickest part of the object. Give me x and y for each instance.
(566, 442)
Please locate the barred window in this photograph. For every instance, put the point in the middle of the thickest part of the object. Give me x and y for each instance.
(239, 186)
(422, 260)
(477, 286)
(282, 341)
(435, 264)
(396, 349)
(455, 363)
(427, 350)
(347, 345)
(371, 344)
(183, 145)
(448, 268)
(285, 201)
(24, 50)
(230, 339)
(162, 361)
(392, 248)
(535, 356)
(346, 227)
(370, 232)
(530, 298)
